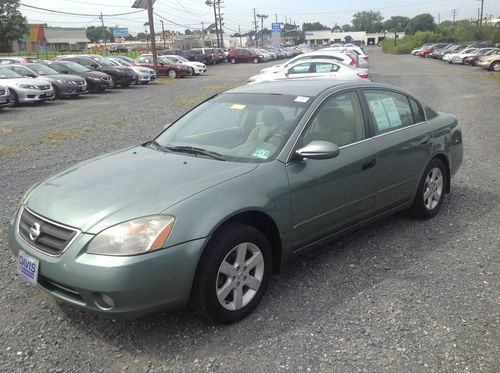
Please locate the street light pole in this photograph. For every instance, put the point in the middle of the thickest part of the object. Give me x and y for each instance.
(163, 34)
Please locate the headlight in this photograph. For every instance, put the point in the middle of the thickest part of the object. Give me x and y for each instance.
(65, 81)
(133, 237)
(27, 86)
(93, 78)
(144, 71)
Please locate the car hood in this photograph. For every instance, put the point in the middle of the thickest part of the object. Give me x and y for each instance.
(13, 81)
(95, 74)
(127, 184)
(61, 77)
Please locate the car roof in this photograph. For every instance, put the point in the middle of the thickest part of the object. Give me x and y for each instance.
(304, 86)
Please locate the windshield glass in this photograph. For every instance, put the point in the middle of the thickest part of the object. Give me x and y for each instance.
(122, 62)
(180, 58)
(166, 60)
(42, 69)
(7, 74)
(103, 61)
(73, 66)
(239, 127)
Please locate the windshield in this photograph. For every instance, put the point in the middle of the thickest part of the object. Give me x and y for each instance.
(8, 74)
(180, 58)
(73, 66)
(166, 60)
(103, 61)
(122, 62)
(238, 127)
(42, 69)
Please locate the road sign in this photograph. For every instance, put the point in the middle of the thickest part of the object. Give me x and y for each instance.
(276, 27)
(120, 32)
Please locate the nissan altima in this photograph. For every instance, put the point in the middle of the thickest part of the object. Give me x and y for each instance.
(214, 205)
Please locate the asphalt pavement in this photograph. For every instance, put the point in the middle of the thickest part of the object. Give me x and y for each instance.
(399, 295)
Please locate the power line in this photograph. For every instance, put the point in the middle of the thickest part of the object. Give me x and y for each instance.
(79, 14)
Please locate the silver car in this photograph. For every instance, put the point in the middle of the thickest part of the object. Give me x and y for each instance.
(4, 97)
(24, 90)
(144, 74)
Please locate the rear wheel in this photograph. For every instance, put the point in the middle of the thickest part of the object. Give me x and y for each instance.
(172, 74)
(234, 274)
(114, 84)
(431, 191)
(191, 71)
(125, 85)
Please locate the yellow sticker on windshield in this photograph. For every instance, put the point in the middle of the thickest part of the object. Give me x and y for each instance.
(238, 106)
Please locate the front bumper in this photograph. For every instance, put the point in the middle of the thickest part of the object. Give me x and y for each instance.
(484, 65)
(138, 285)
(125, 79)
(69, 90)
(5, 100)
(34, 95)
(144, 77)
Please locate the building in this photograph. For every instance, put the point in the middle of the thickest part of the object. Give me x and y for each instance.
(326, 37)
(40, 38)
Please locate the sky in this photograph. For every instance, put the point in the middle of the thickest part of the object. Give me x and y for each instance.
(179, 15)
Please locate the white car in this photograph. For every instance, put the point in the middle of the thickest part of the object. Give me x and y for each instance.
(459, 58)
(197, 68)
(24, 90)
(144, 74)
(325, 55)
(449, 56)
(362, 57)
(320, 68)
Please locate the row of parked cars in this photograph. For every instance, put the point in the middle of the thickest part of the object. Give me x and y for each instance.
(344, 62)
(29, 79)
(482, 54)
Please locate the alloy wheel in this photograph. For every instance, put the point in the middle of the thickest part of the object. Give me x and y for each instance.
(433, 188)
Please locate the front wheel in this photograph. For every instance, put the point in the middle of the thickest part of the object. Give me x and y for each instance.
(233, 60)
(495, 66)
(233, 275)
(431, 190)
(255, 60)
(125, 85)
(172, 74)
(14, 99)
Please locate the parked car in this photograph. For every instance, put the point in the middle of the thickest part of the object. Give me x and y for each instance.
(491, 62)
(120, 76)
(451, 53)
(206, 55)
(472, 60)
(97, 81)
(165, 66)
(221, 55)
(244, 55)
(4, 97)
(117, 48)
(362, 57)
(459, 58)
(144, 75)
(197, 68)
(64, 85)
(11, 60)
(316, 68)
(295, 164)
(415, 50)
(25, 90)
(320, 54)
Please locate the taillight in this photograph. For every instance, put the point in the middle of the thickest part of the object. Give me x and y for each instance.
(353, 62)
(362, 75)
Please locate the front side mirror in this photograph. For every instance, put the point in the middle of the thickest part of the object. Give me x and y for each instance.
(318, 150)
(94, 66)
(30, 75)
(166, 126)
(162, 63)
(64, 72)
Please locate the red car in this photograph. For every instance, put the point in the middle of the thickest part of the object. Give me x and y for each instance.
(165, 66)
(244, 55)
(11, 60)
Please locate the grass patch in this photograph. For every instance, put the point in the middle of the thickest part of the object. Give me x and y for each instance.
(164, 80)
(206, 93)
(493, 76)
(118, 122)
(5, 131)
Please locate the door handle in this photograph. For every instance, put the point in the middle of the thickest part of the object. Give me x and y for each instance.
(371, 163)
(425, 140)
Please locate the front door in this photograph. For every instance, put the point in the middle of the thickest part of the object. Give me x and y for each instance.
(328, 195)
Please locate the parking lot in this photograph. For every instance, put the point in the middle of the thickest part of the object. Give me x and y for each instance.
(399, 295)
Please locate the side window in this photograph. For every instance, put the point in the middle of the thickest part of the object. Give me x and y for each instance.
(390, 110)
(418, 114)
(6, 62)
(339, 120)
(87, 62)
(301, 69)
(322, 67)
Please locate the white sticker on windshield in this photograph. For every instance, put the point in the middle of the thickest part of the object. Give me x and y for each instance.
(301, 99)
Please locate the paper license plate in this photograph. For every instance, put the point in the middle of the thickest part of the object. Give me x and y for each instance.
(27, 267)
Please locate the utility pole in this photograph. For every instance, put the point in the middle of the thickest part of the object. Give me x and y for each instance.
(212, 2)
(454, 13)
(163, 34)
(255, 24)
(439, 19)
(239, 33)
(220, 24)
(152, 34)
(481, 18)
(262, 18)
(103, 33)
(284, 33)
(276, 17)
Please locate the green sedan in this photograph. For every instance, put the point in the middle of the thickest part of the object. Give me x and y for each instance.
(207, 211)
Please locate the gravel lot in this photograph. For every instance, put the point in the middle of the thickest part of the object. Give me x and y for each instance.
(400, 295)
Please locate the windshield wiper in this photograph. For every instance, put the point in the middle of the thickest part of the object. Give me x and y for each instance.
(155, 144)
(194, 150)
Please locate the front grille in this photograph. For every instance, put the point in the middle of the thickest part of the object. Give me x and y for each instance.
(106, 78)
(53, 238)
(2, 92)
(53, 286)
(80, 82)
(43, 87)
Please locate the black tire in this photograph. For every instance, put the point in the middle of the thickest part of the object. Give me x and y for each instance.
(222, 245)
(125, 85)
(255, 60)
(495, 66)
(114, 84)
(233, 60)
(172, 74)
(191, 71)
(14, 98)
(420, 208)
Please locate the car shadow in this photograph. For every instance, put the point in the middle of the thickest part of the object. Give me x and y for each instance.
(310, 286)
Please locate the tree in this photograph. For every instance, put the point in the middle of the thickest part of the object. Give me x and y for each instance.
(368, 21)
(11, 24)
(421, 22)
(346, 28)
(188, 32)
(94, 34)
(315, 26)
(396, 23)
(142, 36)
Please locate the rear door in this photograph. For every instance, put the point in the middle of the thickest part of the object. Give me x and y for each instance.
(403, 145)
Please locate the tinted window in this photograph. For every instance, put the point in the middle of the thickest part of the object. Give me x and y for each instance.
(418, 114)
(301, 68)
(390, 110)
(323, 67)
(339, 120)
(87, 62)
